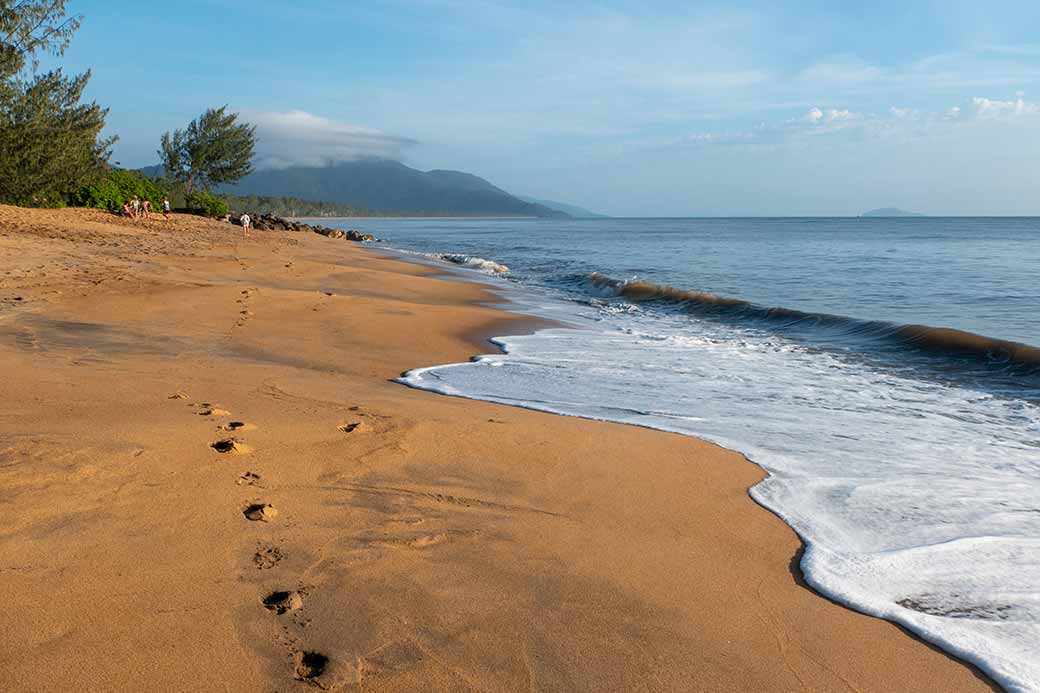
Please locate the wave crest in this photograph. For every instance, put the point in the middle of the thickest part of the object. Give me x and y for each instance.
(477, 263)
(921, 337)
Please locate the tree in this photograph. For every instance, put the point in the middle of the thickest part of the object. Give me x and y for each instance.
(30, 26)
(49, 142)
(214, 148)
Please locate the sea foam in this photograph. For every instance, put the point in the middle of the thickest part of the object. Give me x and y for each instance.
(919, 501)
(477, 263)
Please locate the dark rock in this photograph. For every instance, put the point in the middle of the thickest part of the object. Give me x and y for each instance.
(355, 235)
(271, 222)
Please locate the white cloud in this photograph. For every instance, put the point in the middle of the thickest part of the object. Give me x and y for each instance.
(299, 138)
(832, 115)
(824, 118)
(996, 109)
(898, 121)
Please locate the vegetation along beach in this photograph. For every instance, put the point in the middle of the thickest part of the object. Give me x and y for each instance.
(289, 400)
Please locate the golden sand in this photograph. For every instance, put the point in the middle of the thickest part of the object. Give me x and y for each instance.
(208, 482)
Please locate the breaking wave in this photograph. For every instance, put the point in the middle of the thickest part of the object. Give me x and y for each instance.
(1021, 358)
(477, 263)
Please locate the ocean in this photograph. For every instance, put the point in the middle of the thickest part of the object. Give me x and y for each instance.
(885, 372)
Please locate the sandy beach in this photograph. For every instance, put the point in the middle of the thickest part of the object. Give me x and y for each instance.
(209, 481)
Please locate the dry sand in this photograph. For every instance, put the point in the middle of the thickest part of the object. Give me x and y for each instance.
(355, 533)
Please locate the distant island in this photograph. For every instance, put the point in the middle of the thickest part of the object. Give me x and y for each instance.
(890, 212)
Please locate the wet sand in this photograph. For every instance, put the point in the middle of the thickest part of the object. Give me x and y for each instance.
(209, 482)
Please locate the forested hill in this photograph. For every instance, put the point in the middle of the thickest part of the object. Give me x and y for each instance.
(385, 185)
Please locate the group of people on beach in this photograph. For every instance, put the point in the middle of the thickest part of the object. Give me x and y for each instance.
(136, 207)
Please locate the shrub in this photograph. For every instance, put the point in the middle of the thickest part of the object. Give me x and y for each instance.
(118, 186)
(203, 202)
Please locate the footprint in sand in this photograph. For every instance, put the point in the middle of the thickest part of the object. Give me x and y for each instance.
(260, 512)
(230, 446)
(350, 427)
(267, 557)
(248, 479)
(310, 665)
(237, 426)
(206, 410)
(245, 314)
(283, 601)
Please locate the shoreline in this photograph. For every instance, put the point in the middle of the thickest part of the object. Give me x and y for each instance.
(444, 543)
(496, 343)
(420, 218)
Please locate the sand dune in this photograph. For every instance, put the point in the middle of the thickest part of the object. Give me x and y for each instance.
(208, 482)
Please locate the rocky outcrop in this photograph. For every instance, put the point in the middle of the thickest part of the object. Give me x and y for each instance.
(270, 222)
(331, 233)
(351, 235)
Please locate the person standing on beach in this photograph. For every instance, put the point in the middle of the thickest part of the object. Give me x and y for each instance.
(166, 207)
(135, 206)
(146, 208)
(245, 225)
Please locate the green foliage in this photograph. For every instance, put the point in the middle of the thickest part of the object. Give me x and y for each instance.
(49, 142)
(206, 203)
(115, 188)
(294, 207)
(298, 207)
(213, 149)
(31, 26)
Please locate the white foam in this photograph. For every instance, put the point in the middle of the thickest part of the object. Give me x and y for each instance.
(919, 502)
(477, 263)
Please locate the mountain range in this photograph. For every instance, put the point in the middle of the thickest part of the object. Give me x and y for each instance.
(386, 185)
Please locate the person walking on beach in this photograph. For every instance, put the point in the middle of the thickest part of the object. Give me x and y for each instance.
(166, 207)
(146, 208)
(245, 225)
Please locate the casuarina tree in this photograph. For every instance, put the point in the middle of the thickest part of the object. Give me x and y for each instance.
(49, 142)
(29, 27)
(214, 148)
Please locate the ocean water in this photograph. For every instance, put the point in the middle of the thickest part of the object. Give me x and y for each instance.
(885, 372)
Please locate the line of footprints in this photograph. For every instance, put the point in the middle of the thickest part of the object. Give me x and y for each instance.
(244, 314)
(310, 666)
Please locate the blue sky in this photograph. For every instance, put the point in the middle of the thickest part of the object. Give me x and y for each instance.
(630, 108)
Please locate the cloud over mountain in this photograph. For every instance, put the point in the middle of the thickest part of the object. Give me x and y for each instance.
(299, 138)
